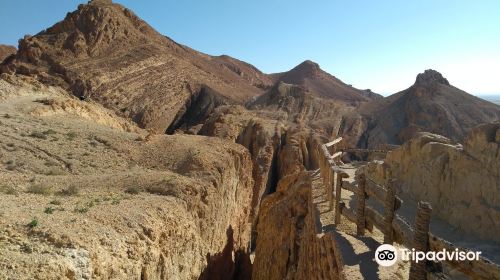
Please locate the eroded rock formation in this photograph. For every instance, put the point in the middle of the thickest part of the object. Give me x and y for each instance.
(87, 196)
(288, 244)
(460, 181)
(87, 103)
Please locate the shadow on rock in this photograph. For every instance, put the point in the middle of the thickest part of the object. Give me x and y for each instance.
(228, 264)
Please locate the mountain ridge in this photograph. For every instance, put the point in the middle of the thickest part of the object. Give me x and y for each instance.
(105, 52)
(309, 75)
(431, 104)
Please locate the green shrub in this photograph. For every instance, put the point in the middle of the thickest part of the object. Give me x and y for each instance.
(33, 223)
(81, 209)
(55, 171)
(48, 210)
(49, 131)
(71, 135)
(45, 101)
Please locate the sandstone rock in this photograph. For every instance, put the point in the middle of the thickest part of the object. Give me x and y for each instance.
(169, 207)
(261, 137)
(281, 230)
(461, 182)
(296, 104)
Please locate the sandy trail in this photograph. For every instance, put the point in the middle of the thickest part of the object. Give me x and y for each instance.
(357, 251)
(438, 227)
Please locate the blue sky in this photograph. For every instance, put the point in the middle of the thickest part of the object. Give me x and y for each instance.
(381, 45)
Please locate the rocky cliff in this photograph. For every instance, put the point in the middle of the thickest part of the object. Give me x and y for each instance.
(300, 106)
(86, 194)
(460, 181)
(124, 154)
(287, 245)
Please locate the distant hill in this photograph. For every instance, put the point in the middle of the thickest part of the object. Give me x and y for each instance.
(432, 105)
(311, 77)
(491, 98)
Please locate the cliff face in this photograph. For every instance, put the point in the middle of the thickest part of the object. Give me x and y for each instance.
(296, 104)
(461, 182)
(282, 230)
(431, 105)
(103, 201)
(261, 137)
(291, 241)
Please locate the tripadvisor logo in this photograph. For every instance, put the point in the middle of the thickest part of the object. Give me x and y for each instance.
(387, 255)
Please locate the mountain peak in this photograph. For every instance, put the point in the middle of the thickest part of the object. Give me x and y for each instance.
(429, 77)
(92, 29)
(100, 2)
(307, 66)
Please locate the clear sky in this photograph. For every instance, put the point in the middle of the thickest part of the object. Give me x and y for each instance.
(376, 44)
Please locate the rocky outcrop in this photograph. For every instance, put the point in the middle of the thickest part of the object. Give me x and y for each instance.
(282, 229)
(261, 137)
(460, 181)
(290, 244)
(430, 105)
(245, 70)
(197, 110)
(296, 104)
(6, 51)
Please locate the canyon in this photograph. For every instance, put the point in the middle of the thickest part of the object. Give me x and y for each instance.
(125, 155)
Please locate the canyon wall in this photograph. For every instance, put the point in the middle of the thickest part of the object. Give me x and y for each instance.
(460, 181)
(290, 244)
(84, 194)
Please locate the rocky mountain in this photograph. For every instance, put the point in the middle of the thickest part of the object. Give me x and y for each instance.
(432, 105)
(124, 154)
(103, 51)
(245, 70)
(5, 51)
(309, 75)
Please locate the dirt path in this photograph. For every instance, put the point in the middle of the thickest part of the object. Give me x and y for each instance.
(356, 251)
(346, 233)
